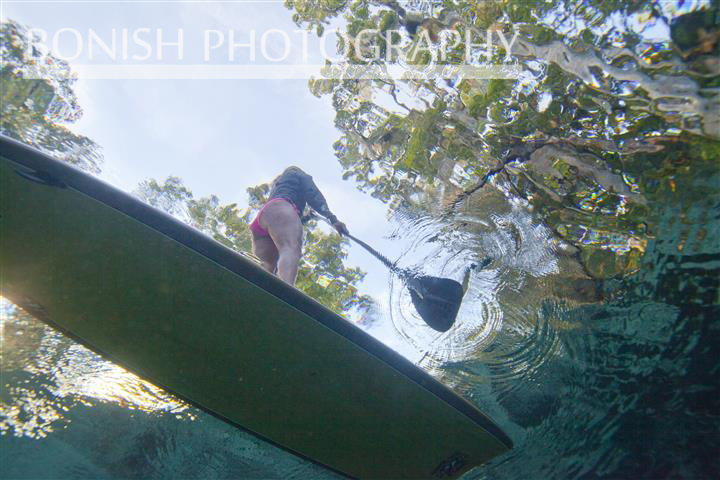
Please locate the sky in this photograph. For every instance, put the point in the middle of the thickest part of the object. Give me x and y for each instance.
(219, 136)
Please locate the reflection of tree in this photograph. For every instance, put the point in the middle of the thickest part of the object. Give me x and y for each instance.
(596, 113)
(322, 274)
(33, 110)
(45, 374)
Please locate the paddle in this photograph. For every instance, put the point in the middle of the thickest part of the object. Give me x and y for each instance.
(436, 299)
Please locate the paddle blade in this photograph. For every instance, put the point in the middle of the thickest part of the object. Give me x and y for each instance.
(437, 300)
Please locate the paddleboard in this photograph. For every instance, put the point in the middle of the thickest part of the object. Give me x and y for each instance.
(211, 326)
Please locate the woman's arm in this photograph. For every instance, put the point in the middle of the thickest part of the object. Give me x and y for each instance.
(316, 200)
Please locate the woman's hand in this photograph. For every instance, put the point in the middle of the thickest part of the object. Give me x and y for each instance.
(340, 227)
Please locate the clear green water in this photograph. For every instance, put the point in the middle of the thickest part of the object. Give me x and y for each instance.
(591, 337)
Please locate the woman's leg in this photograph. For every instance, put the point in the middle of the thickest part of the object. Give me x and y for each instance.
(264, 247)
(283, 223)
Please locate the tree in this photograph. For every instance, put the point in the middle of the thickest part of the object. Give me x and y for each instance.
(582, 119)
(322, 273)
(37, 99)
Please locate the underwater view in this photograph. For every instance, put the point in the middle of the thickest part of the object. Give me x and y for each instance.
(568, 179)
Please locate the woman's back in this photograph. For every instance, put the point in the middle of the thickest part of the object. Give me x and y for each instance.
(298, 187)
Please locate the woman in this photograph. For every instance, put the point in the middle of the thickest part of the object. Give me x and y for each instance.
(277, 228)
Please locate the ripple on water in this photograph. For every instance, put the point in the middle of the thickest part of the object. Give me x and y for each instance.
(518, 249)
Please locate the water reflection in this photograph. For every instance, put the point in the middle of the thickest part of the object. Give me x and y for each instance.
(67, 413)
(47, 374)
(519, 292)
(590, 333)
(602, 371)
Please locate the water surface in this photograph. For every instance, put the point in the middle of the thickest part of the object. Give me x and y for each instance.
(591, 334)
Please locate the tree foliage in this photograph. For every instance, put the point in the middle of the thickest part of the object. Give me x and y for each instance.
(37, 100)
(594, 103)
(322, 274)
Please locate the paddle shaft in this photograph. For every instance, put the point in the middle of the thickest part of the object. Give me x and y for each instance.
(375, 254)
(370, 249)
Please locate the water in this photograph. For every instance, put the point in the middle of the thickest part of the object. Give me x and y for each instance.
(611, 378)
(591, 337)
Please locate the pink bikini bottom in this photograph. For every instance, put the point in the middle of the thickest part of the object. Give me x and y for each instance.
(255, 225)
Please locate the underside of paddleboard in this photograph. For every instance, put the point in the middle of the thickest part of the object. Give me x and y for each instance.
(202, 321)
